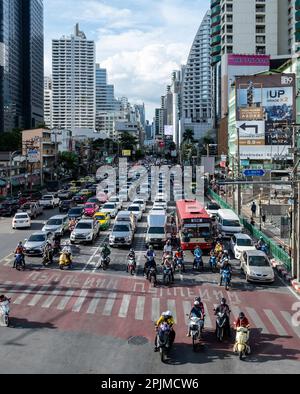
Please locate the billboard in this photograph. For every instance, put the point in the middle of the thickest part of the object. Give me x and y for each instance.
(33, 156)
(265, 108)
(249, 60)
(126, 153)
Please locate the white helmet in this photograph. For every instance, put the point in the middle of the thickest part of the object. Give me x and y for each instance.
(167, 314)
(196, 303)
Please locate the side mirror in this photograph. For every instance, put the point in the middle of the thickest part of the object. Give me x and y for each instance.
(25, 240)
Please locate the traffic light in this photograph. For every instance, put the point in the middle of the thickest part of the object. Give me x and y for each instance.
(213, 149)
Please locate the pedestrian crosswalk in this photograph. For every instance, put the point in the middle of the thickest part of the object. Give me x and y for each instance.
(136, 306)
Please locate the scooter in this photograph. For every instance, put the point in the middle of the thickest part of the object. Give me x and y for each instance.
(4, 312)
(179, 264)
(19, 262)
(47, 257)
(167, 275)
(151, 276)
(226, 278)
(65, 259)
(131, 266)
(241, 342)
(163, 340)
(213, 263)
(198, 263)
(222, 323)
(196, 327)
(104, 262)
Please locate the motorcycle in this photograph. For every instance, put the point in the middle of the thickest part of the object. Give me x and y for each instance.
(65, 259)
(264, 248)
(198, 263)
(222, 324)
(131, 266)
(163, 340)
(226, 278)
(167, 276)
(241, 342)
(19, 262)
(104, 262)
(196, 327)
(179, 264)
(152, 276)
(4, 312)
(56, 248)
(47, 257)
(213, 263)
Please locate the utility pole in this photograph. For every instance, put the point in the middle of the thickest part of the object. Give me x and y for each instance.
(239, 173)
(296, 209)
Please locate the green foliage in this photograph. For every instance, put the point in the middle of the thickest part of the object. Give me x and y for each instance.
(10, 142)
(127, 141)
(68, 160)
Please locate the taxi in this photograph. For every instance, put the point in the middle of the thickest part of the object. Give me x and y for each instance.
(103, 219)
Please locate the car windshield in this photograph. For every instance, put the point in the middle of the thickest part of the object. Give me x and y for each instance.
(37, 238)
(75, 211)
(231, 223)
(47, 198)
(121, 228)
(244, 242)
(258, 261)
(21, 216)
(101, 217)
(54, 222)
(156, 230)
(138, 202)
(89, 206)
(109, 206)
(134, 209)
(84, 226)
(213, 207)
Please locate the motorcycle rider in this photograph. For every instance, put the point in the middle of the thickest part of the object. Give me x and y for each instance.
(197, 254)
(225, 266)
(57, 242)
(150, 260)
(224, 308)
(105, 251)
(196, 311)
(20, 250)
(261, 243)
(219, 247)
(179, 255)
(3, 298)
(167, 264)
(49, 252)
(242, 321)
(166, 317)
(168, 250)
(72, 224)
(131, 255)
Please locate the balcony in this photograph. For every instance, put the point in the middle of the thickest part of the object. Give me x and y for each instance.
(297, 4)
(216, 50)
(215, 11)
(215, 59)
(216, 20)
(216, 30)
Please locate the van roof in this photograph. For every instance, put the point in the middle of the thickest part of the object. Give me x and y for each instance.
(227, 214)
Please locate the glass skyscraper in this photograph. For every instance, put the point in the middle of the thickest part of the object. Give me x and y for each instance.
(21, 64)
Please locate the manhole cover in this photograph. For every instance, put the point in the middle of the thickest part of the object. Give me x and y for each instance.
(138, 341)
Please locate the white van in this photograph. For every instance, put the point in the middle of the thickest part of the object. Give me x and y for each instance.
(228, 222)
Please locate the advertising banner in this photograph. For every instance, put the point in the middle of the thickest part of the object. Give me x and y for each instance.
(248, 60)
(252, 132)
(126, 153)
(169, 131)
(33, 156)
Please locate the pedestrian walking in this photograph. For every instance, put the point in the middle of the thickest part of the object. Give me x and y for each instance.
(263, 218)
(253, 209)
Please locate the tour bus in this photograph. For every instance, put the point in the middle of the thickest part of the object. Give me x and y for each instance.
(194, 225)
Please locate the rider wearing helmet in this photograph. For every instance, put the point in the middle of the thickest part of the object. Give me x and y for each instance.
(168, 264)
(131, 254)
(166, 317)
(150, 260)
(225, 266)
(179, 255)
(196, 311)
(242, 321)
(168, 249)
(105, 251)
(224, 308)
(20, 250)
(197, 254)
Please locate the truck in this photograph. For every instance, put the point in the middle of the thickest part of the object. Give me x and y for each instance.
(49, 201)
(156, 233)
(33, 209)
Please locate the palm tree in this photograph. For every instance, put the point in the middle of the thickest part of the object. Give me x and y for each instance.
(188, 136)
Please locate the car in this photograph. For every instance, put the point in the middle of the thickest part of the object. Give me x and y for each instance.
(140, 202)
(21, 220)
(103, 219)
(57, 225)
(33, 209)
(212, 209)
(75, 213)
(121, 234)
(94, 200)
(257, 267)
(129, 217)
(86, 230)
(90, 208)
(64, 194)
(102, 197)
(85, 192)
(66, 205)
(110, 208)
(136, 210)
(116, 200)
(74, 189)
(49, 201)
(239, 243)
(80, 199)
(158, 208)
(36, 243)
(7, 209)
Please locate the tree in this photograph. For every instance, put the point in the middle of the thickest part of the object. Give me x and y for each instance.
(188, 136)
(12, 141)
(69, 161)
(128, 141)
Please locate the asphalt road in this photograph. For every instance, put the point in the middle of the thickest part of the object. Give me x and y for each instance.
(89, 321)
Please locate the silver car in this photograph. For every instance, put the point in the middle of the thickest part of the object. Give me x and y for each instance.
(57, 225)
(35, 244)
(121, 235)
(86, 230)
(257, 267)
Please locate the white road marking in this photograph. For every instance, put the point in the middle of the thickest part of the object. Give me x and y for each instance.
(94, 303)
(15, 289)
(208, 322)
(80, 300)
(172, 308)
(91, 258)
(125, 305)
(235, 311)
(288, 317)
(49, 301)
(25, 294)
(275, 322)
(63, 303)
(140, 306)
(187, 307)
(38, 295)
(109, 304)
(155, 314)
(257, 320)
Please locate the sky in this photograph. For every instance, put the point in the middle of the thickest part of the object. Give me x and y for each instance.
(140, 42)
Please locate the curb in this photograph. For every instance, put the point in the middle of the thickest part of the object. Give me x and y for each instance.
(296, 286)
(282, 272)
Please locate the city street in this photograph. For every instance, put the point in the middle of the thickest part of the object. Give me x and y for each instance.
(88, 321)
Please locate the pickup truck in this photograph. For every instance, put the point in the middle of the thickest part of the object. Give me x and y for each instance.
(49, 201)
(33, 209)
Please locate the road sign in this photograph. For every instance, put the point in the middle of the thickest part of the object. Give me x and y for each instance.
(254, 172)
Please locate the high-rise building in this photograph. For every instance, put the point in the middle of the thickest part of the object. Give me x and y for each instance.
(73, 73)
(48, 102)
(294, 26)
(21, 64)
(196, 85)
(105, 94)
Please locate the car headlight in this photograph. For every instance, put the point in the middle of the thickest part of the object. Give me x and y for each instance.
(252, 273)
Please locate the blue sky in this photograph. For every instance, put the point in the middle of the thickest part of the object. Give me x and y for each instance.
(140, 42)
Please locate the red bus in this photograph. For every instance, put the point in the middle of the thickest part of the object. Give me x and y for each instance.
(194, 225)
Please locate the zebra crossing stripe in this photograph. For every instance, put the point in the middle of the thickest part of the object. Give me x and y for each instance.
(25, 294)
(208, 322)
(257, 320)
(172, 308)
(186, 309)
(80, 300)
(275, 322)
(288, 317)
(63, 303)
(49, 301)
(139, 311)
(155, 314)
(38, 295)
(94, 303)
(124, 306)
(109, 304)
(15, 288)
(235, 311)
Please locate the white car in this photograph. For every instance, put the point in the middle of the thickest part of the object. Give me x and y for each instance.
(110, 208)
(212, 209)
(136, 210)
(257, 267)
(21, 220)
(117, 200)
(240, 243)
(140, 202)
